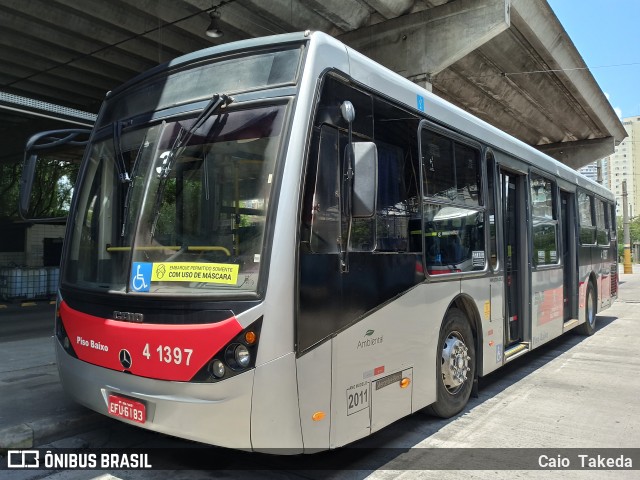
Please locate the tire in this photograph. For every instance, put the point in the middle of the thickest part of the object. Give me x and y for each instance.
(589, 326)
(455, 365)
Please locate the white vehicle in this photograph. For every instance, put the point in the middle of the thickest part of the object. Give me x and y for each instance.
(280, 245)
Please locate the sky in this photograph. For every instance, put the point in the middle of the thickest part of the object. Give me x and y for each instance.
(607, 35)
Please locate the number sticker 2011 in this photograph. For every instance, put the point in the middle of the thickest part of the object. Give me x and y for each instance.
(358, 397)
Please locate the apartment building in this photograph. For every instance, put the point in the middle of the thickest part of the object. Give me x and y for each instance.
(624, 164)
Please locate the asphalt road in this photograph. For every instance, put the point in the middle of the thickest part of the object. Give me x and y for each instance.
(22, 323)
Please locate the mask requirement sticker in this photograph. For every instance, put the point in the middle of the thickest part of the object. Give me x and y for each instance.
(143, 273)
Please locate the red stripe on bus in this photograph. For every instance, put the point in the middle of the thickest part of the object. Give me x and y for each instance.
(165, 352)
(434, 271)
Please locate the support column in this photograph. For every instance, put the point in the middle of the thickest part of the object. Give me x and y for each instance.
(625, 231)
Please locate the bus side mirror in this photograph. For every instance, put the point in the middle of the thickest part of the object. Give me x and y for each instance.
(365, 179)
(51, 160)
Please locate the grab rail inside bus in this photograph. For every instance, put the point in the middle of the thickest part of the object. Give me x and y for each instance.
(193, 248)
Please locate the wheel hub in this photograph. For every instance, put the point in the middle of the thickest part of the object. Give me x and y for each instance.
(455, 362)
(591, 317)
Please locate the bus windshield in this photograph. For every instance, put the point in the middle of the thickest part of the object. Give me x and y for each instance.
(189, 215)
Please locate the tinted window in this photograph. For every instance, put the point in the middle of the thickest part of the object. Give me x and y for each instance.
(453, 216)
(544, 222)
(602, 223)
(438, 166)
(467, 175)
(325, 210)
(586, 217)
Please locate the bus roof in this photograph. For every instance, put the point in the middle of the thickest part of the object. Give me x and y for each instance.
(374, 75)
(212, 52)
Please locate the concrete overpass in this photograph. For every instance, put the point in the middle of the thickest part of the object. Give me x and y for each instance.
(509, 62)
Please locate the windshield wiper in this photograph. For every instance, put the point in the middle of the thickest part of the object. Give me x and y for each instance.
(182, 139)
(131, 184)
(117, 147)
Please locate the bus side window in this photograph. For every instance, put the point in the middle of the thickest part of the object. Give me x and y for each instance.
(325, 206)
(602, 223)
(397, 211)
(612, 222)
(544, 222)
(587, 220)
(454, 214)
(393, 211)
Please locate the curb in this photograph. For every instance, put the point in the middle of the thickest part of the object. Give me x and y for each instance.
(38, 432)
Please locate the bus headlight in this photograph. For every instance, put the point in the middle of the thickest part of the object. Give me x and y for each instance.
(235, 358)
(217, 368)
(242, 356)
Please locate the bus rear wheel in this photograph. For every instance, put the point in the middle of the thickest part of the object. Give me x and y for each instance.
(455, 365)
(589, 325)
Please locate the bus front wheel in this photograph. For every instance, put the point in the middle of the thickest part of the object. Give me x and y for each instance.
(455, 365)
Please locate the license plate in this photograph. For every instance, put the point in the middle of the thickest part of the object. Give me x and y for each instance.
(128, 409)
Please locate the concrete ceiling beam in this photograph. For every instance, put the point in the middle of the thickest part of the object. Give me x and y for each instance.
(345, 14)
(138, 17)
(61, 92)
(66, 20)
(76, 45)
(79, 80)
(507, 108)
(391, 8)
(290, 16)
(91, 69)
(537, 21)
(505, 83)
(422, 44)
(579, 153)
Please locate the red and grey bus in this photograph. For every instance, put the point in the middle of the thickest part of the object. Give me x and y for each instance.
(280, 244)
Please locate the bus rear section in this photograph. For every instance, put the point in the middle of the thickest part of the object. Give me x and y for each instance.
(479, 250)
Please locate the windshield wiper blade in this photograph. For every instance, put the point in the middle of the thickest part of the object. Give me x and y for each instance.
(127, 201)
(183, 137)
(217, 101)
(117, 146)
(143, 144)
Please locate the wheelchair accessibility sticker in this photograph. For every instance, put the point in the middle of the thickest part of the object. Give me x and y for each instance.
(143, 273)
(141, 276)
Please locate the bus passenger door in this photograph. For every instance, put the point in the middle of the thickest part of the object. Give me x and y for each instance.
(514, 251)
(569, 268)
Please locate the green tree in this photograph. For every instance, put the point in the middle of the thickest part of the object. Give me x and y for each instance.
(52, 188)
(51, 192)
(9, 188)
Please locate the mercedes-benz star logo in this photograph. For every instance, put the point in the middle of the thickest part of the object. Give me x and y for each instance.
(125, 359)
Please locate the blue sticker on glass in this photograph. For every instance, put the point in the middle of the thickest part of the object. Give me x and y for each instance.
(420, 103)
(141, 276)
